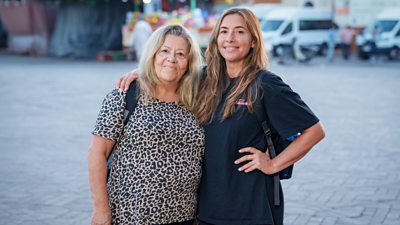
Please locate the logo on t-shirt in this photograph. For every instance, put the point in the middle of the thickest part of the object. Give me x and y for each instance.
(242, 102)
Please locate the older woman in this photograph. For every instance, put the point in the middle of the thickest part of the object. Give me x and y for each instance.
(157, 161)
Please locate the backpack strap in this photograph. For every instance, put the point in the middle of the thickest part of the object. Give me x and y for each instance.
(131, 99)
(262, 118)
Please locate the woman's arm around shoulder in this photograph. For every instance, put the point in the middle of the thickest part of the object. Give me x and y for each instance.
(123, 82)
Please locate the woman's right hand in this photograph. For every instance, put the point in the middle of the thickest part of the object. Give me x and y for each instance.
(101, 217)
(124, 81)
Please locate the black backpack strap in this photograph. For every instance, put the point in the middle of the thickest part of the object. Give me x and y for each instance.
(262, 118)
(131, 99)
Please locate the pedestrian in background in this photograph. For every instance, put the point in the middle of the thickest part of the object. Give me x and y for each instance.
(330, 53)
(346, 40)
(237, 184)
(141, 33)
(156, 164)
(298, 52)
(374, 39)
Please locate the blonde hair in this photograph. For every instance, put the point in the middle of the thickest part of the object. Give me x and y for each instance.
(213, 86)
(189, 83)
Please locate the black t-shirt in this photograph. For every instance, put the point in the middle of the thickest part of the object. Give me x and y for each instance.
(226, 195)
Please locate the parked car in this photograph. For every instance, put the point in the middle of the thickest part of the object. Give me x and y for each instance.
(306, 26)
(387, 41)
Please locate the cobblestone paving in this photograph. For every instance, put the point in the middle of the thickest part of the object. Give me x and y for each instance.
(48, 108)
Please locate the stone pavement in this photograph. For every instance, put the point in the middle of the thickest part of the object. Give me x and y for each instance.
(48, 108)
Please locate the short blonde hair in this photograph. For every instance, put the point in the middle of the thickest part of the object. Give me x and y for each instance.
(189, 83)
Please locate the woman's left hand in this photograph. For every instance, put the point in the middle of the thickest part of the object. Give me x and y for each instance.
(258, 160)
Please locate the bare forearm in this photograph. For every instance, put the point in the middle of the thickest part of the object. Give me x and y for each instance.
(100, 148)
(299, 147)
(98, 179)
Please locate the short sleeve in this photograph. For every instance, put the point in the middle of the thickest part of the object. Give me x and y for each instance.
(109, 121)
(287, 112)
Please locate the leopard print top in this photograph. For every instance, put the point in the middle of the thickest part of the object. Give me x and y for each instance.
(156, 168)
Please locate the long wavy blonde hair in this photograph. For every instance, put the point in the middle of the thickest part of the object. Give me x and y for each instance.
(189, 83)
(212, 88)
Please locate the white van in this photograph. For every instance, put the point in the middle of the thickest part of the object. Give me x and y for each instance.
(388, 39)
(261, 9)
(307, 26)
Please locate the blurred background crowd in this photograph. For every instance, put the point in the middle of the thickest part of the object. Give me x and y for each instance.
(110, 30)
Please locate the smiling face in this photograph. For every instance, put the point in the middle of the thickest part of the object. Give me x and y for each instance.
(171, 60)
(234, 39)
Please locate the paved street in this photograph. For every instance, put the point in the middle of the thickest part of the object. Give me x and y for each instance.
(48, 108)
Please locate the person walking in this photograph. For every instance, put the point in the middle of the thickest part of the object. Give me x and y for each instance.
(331, 43)
(346, 40)
(141, 33)
(156, 166)
(374, 39)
